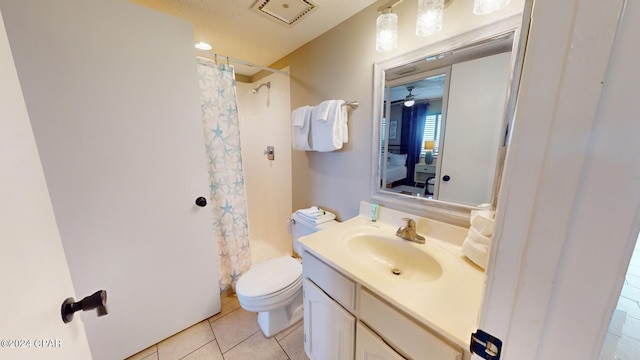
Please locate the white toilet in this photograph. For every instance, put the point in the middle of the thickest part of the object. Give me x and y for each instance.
(273, 288)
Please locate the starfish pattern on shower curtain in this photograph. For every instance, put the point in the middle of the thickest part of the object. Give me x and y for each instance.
(226, 180)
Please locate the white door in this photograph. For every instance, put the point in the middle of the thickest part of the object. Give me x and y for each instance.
(476, 104)
(568, 209)
(33, 271)
(329, 330)
(115, 111)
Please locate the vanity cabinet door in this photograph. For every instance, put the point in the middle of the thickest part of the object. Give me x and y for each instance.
(329, 330)
(370, 347)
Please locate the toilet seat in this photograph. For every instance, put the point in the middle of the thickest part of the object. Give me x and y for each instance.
(269, 284)
(271, 301)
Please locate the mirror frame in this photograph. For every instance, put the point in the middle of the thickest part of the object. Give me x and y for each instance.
(453, 213)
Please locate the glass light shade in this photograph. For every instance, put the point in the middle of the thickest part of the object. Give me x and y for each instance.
(430, 13)
(483, 7)
(409, 103)
(387, 32)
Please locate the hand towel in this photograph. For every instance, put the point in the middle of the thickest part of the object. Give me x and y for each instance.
(326, 126)
(483, 221)
(299, 116)
(321, 112)
(300, 125)
(476, 252)
(478, 237)
(478, 241)
(344, 117)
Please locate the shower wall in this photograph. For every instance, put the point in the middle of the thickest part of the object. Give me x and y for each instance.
(265, 121)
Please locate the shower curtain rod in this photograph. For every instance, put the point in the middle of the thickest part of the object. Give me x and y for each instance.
(242, 62)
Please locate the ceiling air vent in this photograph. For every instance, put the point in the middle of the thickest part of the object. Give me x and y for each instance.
(286, 12)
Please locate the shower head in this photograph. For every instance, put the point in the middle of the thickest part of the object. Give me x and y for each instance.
(255, 91)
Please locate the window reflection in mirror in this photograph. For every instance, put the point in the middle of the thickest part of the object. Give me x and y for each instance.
(444, 145)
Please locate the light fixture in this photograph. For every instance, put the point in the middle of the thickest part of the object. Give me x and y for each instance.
(430, 13)
(483, 7)
(428, 22)
(201, 45)
(386, 30)
(409, 101)
(428, 154)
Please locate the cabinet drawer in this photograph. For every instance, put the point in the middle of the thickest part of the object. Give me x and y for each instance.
(336, 285)
(400, 331)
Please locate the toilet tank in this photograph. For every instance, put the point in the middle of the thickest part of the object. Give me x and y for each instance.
(300, 228)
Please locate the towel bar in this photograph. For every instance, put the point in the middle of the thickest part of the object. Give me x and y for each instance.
(352, 104)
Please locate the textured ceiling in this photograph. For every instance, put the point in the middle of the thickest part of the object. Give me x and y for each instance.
(237, 31)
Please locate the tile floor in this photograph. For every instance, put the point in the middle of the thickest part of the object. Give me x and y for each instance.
(623, 338)
(233, 334)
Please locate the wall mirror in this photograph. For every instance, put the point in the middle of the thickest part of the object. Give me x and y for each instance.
(441, 121)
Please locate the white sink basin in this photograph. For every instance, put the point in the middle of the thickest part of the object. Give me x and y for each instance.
(393, 257)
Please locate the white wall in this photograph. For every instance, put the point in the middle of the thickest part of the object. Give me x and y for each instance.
(265, 121)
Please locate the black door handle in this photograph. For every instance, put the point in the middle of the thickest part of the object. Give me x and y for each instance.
(97, 300)
(202, 202)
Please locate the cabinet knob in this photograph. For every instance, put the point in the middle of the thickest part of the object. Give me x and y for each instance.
(446, 178)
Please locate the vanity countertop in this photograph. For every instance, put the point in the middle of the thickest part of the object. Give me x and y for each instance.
(449, 305)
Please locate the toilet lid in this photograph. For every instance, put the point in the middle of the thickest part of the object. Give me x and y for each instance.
(269, 276)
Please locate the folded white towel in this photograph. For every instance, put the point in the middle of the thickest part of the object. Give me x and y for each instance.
(327, 126)
(318, 219)
(312, 211)
(478, 237)
(315, 215)
(476, 252)
(483, 221)
(300, 126)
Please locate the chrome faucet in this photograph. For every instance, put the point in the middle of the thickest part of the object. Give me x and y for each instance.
(409, 233)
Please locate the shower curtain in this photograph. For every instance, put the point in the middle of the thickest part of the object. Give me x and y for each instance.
(226, 181)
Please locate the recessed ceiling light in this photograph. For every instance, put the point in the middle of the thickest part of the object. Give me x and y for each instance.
(201, 45)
